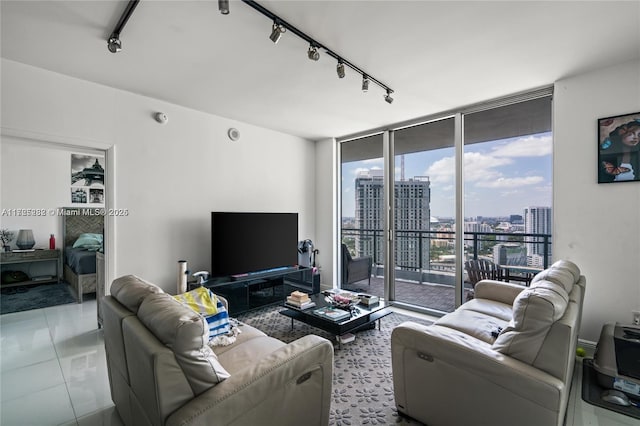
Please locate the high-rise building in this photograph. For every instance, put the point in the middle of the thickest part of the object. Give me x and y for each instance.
(472, 227)
(509, 254)
(412, 213)
(537, 220)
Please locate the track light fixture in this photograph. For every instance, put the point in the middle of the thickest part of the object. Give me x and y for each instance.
(388, 97)
(114, 44)
(365, 83)
(276, 32)
(315, 46)
(340, 69)
(223, 6)
(313, 53)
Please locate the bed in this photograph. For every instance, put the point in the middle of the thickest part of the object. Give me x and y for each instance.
(80, 262)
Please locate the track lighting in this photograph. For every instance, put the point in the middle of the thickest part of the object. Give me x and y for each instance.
(278, 28)
(114, 44)
(223, 6)
(277, 32)
(388, 97)
(340, 69)
(365, 83)
(313, 53)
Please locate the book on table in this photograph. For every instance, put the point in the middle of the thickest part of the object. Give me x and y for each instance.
(295, 304)
(332, 313)
(299, 300)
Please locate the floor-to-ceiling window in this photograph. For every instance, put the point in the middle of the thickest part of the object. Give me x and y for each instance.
(466, 184)
(507, 187)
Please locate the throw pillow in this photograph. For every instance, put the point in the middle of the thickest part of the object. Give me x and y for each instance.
(203, 301)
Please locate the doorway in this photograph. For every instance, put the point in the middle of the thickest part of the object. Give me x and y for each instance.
(38, 189)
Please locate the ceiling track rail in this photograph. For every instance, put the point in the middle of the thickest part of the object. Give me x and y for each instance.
(114, 43)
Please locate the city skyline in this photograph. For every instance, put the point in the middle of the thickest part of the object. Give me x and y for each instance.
(502, 177)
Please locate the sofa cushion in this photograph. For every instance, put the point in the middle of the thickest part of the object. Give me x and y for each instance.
(246, 333)
(569, 266)
(243, 355)
(186, 333)
(558, 276)
(130, 291)
(490, 307)
(534, 311)
(476, 324)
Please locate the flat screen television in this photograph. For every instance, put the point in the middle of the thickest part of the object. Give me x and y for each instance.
(244, 243)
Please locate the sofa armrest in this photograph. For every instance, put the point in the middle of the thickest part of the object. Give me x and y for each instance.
(292, 384)
(498, 291)
(439, 362)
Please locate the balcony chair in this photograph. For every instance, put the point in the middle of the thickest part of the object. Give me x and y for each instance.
(481, 269)
(357, 269)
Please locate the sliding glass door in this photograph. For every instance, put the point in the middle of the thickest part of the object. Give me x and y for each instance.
(363, 215)
(424, 215)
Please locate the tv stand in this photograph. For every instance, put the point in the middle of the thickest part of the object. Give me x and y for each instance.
(255, 290)
(265, 273)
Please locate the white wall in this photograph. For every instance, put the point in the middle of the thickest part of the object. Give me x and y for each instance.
(169, 177)
(38, 177)
(326, 211)
(596, 226)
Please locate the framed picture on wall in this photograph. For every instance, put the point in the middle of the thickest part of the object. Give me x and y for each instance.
(619, 148)
(87, 179)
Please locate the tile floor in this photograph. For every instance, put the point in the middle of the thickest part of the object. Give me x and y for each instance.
(53, 372)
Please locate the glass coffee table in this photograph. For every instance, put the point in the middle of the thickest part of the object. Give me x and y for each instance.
(359, 317)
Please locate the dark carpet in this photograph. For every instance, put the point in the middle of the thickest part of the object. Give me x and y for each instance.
(362, 376)
(591, 391)
(25, 298)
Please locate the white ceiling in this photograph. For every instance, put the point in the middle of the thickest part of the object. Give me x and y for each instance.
(435, 55)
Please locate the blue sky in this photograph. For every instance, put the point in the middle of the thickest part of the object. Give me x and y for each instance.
(501, 177)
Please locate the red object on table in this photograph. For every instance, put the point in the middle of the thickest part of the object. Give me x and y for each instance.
(52, 242)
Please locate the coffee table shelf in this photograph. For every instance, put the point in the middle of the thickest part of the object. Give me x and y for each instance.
(364, 317)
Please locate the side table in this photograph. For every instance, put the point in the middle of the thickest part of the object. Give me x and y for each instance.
(13, 257)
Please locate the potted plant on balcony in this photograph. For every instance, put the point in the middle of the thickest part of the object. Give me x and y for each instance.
(5, 237)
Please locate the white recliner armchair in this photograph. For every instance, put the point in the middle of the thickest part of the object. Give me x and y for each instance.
(504, 358)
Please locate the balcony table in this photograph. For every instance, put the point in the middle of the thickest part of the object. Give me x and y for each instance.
(523, 274)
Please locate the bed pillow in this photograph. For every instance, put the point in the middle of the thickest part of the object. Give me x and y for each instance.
(89, 241)
(203, 301)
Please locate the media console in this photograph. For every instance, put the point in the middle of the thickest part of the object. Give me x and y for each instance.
(251, 291)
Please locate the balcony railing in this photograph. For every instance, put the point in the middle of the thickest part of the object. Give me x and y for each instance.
(434, 250)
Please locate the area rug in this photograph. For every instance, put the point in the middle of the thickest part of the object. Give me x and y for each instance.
(25, 298)
(591, 391)
(362, 376)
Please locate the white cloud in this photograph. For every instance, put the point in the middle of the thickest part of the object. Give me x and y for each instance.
(503, 182)
(442, 171)
(530, 146)
(477, 168)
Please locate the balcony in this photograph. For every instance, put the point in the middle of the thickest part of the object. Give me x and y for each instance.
(425, 261)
